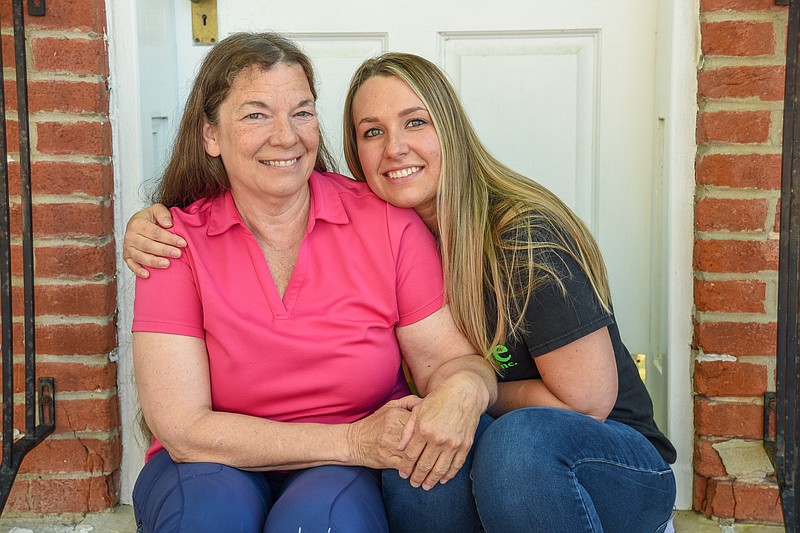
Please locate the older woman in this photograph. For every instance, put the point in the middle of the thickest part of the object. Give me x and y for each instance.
(268, 357)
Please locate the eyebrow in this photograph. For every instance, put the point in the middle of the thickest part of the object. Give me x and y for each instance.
(402, 113)
(261, 105)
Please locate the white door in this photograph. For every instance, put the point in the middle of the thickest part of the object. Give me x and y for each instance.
(563, 92)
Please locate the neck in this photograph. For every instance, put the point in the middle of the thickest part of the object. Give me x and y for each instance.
(428, 215)
(275, 223)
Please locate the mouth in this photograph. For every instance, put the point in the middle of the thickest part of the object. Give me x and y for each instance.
(279, 162)
(402, 173)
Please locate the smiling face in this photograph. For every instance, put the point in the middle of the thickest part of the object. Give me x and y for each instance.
(267, 132)
(398, 147)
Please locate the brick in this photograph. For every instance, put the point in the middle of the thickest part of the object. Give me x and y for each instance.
(699, 492)
(52, 496)
(728, 378)
(740, 171)
(73, 56)
(66, 96)
(75, 377)
(728, 419)
(735, 256)
(740, 5)
(83, 16)
(89, 299)
(707, 461)
(8, 50)
(19, 498)
(757, 503)
(719, 499)
(55, 456)
(77, 339)
(55, 177)
(734, 296)
(69, 262)
(765, 83)
(738, 38)
(727, 214)
(69, 339)
(86, 415)
(67, 220)
(776, 227)
(71, 376)
(88, 138)
(736, 338)
(733, 127)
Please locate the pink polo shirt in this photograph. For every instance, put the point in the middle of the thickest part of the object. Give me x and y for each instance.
(327, 351)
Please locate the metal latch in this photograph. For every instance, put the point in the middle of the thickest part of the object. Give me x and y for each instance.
(204, 22)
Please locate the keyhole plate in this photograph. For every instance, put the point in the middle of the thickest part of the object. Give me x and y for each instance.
(204, 22)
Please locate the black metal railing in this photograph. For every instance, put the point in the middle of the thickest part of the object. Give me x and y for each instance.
(781, 407)
(15, 447)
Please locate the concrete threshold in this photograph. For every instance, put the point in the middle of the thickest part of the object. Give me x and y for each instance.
(120, 520)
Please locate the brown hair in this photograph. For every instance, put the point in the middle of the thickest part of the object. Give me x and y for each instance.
(191, 173)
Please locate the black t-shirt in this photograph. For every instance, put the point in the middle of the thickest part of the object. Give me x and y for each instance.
(554, 319)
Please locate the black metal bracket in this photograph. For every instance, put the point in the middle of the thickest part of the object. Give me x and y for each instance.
(36, 8)
(784, 404)
(39, 392)
(777, 2)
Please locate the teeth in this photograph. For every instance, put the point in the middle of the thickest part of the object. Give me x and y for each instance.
(277, 163)
(403, 173)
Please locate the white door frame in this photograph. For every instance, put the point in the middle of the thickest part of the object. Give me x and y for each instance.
(674, 119)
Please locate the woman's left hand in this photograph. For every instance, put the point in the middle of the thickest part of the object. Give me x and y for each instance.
(440, 432)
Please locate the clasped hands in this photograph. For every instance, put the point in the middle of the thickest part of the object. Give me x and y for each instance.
(425, 439)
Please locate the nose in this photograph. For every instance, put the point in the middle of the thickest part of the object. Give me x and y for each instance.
(396, 145)
(283, 133)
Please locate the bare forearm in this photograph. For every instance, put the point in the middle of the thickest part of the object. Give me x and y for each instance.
(513, 395)
(257, 444)
(473, 370)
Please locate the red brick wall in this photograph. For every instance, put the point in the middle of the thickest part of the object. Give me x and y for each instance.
(77, 469)
(740, 97)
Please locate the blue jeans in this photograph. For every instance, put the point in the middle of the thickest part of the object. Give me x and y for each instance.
(174, 497)
(553, 470)
(443, 509)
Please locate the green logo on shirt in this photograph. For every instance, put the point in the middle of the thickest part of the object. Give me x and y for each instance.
(505, 360)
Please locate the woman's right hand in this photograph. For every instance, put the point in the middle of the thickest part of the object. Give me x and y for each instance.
(147, 244)
(373, 441)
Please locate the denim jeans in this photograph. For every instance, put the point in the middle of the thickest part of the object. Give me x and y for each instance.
(448, 508)
(553, 470)
(174, 497)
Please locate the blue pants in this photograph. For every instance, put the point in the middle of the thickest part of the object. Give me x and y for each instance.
(543, 470)
(174, 497)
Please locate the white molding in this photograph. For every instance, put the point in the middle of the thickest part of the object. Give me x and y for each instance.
(679, 108)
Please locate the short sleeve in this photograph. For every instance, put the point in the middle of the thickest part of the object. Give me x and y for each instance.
(420, 283)
(168, 301)
(555, 318)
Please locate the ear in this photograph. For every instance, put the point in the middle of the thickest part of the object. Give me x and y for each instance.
(210, 134)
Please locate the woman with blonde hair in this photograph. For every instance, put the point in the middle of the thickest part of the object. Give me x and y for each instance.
(574, 446)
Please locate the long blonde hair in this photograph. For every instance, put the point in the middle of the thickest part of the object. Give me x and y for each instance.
(490, 217)
(191, 173)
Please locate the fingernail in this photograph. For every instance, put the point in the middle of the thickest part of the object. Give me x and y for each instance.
(181, 242)
(175, 253)
(163, 263)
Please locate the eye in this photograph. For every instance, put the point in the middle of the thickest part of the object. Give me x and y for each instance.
(304, 114)
(416, 122)
(254, 116)
(372, 132)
